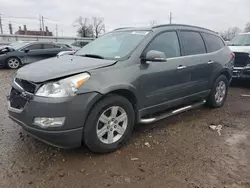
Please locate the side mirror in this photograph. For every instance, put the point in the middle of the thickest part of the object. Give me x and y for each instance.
(65, 53)
(26, 50)
(154, 55)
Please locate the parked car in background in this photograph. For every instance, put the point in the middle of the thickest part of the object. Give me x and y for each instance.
(240, 45)
(79, 44)
(132, 75)
(21, 53)
(70, 48)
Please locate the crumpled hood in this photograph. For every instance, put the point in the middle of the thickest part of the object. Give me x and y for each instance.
(244, 49)
(59, 67)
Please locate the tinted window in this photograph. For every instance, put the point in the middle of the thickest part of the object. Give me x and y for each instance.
(49, 46)
(213, 42)
(83, 43)
(77, 44)
(167, 43)
(35, 47)
(192, 43)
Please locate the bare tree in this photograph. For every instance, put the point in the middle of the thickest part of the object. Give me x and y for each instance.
(98, 26)
(230, 33)
(247, 27)
(84, 28)
(152, 23)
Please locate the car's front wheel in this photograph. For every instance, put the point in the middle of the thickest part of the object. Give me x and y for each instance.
(109, 124)
(219, 91)
(13, 63)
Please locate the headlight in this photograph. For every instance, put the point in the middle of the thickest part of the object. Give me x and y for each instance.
(63, 88)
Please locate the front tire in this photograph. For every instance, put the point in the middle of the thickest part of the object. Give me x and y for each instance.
(13, 63)
(109, 124)
(219, 92)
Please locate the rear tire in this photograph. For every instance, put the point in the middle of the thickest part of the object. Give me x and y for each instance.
(109, 124)
(219, 92)
(13, 63)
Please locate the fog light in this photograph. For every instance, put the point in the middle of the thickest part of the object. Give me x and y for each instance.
(46, 122)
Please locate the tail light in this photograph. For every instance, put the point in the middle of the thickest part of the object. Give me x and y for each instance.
(233, 55)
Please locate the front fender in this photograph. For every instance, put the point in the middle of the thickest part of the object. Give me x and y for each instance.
(118, 87)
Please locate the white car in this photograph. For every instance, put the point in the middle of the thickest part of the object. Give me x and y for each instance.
(240, 45)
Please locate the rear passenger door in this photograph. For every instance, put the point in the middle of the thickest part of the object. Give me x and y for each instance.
(197, 60)
(51, 50)
(217, 53)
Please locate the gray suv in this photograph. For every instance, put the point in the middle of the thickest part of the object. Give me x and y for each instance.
(128, 76)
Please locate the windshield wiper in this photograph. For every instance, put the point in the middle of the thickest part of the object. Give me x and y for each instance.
(93, 56)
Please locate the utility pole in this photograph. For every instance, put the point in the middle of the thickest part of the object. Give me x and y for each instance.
(170, 18)
(42, 23)
(10, 28)
(1, 25)
(56, 30)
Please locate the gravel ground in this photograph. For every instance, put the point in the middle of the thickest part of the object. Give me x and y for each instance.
(181, 151)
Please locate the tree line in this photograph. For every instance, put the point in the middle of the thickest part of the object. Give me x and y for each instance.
(89, 27)
(94, 27)
(233, 31)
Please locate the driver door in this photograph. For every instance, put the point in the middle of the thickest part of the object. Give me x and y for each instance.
(164, 83)
(33, 53)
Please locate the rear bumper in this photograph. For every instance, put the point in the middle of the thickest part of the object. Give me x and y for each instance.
(241, 72)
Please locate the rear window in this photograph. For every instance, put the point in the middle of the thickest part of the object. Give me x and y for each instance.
(240, 40)
(192, 43)
(213, 42)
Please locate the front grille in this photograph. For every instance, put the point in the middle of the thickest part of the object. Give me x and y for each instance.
(16, 100)
(26, 85)
(241, 59)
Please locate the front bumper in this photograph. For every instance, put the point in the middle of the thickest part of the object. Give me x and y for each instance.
(241, 72)
(74, 109)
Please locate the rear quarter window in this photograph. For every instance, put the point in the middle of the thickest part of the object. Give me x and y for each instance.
(213, 42)
(192, 43)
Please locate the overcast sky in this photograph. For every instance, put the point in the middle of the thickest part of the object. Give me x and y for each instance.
(213, 14)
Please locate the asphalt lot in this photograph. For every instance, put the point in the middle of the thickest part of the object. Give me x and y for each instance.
(181, 151)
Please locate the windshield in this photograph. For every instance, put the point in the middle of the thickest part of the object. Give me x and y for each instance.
(18, 45)
(240, 40)
(114, 45)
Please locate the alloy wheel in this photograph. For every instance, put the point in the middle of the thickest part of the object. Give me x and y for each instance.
(112, 125)
(220, 92)
(13, 63)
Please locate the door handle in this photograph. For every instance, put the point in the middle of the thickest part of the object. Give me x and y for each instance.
(210, 62)
(181, 67)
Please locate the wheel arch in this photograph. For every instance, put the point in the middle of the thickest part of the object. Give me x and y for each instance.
(226, 72)
(127, 92)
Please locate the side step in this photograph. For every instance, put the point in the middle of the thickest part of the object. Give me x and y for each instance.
(172, 113)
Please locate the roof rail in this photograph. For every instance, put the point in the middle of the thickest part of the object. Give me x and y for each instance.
(123, 28)
(165, 25)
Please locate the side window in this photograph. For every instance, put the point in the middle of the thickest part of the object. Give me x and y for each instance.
(213, 42)
(83, 43)
(57, 46)
(167, 43)
(192, 43)
(48, 46)
(34, 47)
